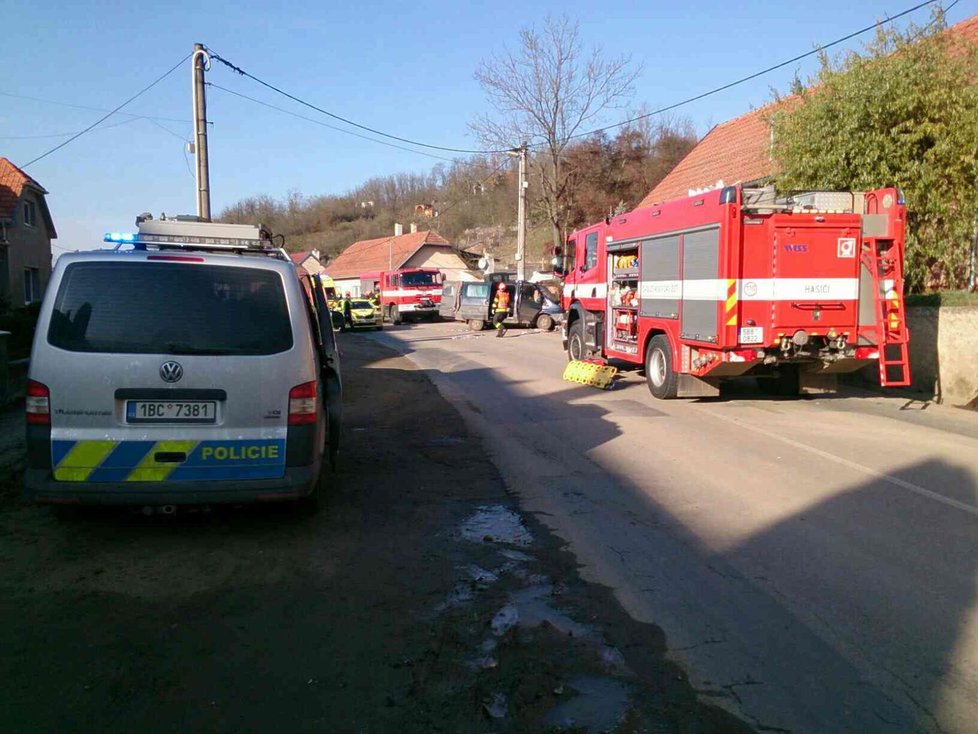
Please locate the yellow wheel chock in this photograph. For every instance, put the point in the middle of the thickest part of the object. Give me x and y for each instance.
(593, 374)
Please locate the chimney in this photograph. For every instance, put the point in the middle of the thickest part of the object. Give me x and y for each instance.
(414, 227)
(398, 229)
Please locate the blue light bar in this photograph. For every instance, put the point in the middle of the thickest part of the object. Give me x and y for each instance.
(120, 237)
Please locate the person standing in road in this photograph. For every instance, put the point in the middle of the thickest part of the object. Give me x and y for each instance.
(347, 311)
(500, 309)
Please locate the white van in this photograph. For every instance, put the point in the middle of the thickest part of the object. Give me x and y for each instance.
(188, 367)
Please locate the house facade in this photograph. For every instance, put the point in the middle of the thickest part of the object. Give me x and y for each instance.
(426, 249)
(308, 261)
(26, 231)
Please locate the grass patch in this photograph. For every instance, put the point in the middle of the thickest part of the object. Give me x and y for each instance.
(943, 298)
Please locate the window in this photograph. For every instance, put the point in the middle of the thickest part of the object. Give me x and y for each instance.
(30, 215)
(591, 250)
(32, 285)
(419, 280)
(477, 290)
(145, 308)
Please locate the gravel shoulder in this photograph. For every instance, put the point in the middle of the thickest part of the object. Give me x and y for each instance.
(418, 600)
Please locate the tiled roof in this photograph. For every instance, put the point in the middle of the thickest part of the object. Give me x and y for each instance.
(739, 150)
(735, 151)
(12, 182)
(300, 257)
(367, 256)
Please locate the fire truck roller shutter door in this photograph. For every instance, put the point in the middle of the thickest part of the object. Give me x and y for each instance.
(660, 288)
(701, 256)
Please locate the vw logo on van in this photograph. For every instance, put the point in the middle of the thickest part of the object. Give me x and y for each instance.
(171, 371)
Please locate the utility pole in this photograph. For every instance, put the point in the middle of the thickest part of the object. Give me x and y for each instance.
(200, 61)
(521, 217)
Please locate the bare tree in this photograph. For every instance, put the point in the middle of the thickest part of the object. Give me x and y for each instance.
(545, 93)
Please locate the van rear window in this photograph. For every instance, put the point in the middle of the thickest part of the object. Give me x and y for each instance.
(151, 308)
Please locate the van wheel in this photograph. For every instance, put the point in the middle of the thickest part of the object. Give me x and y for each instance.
(545, 322)
(476, 324)
(661, 377)
(575, 341)
(395, 315)
(310, 504)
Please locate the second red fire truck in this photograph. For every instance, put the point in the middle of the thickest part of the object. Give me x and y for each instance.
(408, 293)
(741, 281)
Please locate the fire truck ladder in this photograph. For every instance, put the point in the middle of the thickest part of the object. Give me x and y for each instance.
(884, 262)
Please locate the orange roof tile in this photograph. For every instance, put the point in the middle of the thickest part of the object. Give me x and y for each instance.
(367, 256)
(735, 151)
(12, 182)
(739, 150)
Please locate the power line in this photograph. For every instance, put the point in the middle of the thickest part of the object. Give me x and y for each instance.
(108, 115)
(242, 72)
(167, 130)
(326, 124)
(65, 135)
(492, 173)
(92, 109)
(755, 75)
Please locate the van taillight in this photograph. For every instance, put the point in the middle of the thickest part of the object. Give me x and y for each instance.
(302, 404)
(38, 403)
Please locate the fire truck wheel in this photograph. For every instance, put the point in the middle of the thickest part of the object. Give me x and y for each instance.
(545, 322)
(788, 382)
(395, 315)
(662, 379)
(575, 341)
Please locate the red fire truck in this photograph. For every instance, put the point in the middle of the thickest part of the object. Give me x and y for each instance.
(741, 281)
(407, 293)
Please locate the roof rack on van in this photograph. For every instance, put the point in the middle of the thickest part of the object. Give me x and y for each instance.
(189, 233)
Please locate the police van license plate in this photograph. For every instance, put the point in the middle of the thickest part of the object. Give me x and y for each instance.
(171, 411)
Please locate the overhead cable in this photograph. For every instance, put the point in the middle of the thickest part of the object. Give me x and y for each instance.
(217, 57)
(109, 114)
(65, 135)
(325, 124)
(755, 75)
(92, 109)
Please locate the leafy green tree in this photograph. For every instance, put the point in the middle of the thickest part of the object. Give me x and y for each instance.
(903, 113)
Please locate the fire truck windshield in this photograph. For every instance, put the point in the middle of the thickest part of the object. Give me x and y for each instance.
(419, 280)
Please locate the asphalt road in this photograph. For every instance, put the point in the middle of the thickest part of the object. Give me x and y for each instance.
(416, 601)
(812, 562)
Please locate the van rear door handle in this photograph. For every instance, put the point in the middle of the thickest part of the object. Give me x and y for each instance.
(170, 457)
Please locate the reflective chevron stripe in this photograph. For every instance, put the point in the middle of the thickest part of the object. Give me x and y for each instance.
(137, 461)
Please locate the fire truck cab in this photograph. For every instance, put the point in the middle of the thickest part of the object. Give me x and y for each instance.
(741, 281)
(407, 293)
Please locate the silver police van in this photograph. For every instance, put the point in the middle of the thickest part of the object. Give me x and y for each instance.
(189, 365)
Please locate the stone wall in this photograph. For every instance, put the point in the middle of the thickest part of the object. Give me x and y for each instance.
(944, 352)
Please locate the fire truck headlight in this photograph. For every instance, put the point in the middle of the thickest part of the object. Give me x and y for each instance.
(800, 338)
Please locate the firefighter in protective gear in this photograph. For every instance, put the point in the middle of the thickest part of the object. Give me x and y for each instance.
(347, 311)
(500, 309)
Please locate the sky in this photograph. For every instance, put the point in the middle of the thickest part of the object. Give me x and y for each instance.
(403, 68)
